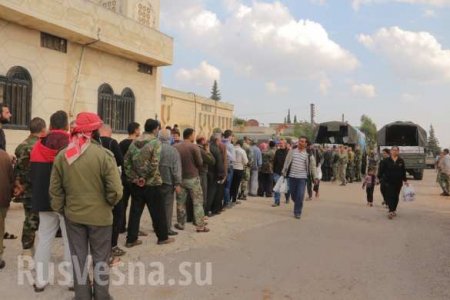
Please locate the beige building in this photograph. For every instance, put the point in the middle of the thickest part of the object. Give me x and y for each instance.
(192, 110)
(79, 55)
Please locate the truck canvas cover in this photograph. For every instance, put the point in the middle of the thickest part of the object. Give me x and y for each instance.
(402, 134)
(336, 132)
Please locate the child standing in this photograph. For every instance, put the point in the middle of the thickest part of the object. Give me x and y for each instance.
(369, 185)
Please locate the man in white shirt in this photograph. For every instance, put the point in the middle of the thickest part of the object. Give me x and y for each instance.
(240, 160)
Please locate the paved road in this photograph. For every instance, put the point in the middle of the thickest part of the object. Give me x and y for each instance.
(340, 249)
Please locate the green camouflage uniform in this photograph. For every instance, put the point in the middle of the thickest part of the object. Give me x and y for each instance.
(22, 175)
(351, 166)
(246, 176)
(191, 186)
(342, 169)
(142, 160)
(358, 160)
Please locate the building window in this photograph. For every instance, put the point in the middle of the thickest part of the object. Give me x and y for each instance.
(116, 110)
(207, 108)
(53, 42)
(144, 68)
(16, 92)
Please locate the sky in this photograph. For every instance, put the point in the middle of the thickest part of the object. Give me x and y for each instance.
(388, 59)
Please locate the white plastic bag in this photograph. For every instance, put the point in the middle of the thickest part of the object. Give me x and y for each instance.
(281, 186)
(319, 172)
(409, 194)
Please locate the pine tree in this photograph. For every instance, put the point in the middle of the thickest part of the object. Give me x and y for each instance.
(285, 120)
(215, 93)
(295, 119)
(433, 142)
(289, 117)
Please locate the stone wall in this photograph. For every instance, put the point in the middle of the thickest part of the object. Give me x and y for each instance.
(191, 110)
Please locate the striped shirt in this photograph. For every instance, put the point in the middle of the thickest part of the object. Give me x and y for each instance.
(298, 166)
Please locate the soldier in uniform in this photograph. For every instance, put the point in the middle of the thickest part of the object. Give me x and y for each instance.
(246, 177)
(351, 166)
(358, 160)
(342, 169)
(22, 183)
(266, 170)
(335, 163)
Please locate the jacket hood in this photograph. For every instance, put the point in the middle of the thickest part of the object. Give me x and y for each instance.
(48, 147)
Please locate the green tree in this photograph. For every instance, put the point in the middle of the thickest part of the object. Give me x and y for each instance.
(304, 129)
(433, 142)
(369, 128)
(285, 120)
(289, 117)
(215, 93)
(295, 119)
(239, 122)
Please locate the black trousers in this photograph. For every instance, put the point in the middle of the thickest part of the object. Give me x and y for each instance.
(369, 192)
(266, 184)
(125, 199)
(217, 204)
(235, 184)
(117, 222)
(211, 192)
(392, 192)
(147, 196)
(312, 187)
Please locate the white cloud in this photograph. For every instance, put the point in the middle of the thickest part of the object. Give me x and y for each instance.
(414, 55)
(263, 39)
(364, 90)
(203, 75)
(324, 85)
(273, 88)
(356, 4)
(409, 98)
(429, 13)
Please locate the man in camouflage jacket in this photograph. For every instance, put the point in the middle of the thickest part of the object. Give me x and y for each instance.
(141, 166)
(22, 184)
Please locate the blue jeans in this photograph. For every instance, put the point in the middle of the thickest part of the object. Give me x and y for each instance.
(297, 189)
(227, 197)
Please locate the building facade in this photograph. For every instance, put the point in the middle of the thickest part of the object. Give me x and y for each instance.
(79, 55)
(191, 110)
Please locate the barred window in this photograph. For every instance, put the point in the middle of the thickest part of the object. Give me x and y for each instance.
(116, 110)
(53, 42)
(15, 91)
(144, 68)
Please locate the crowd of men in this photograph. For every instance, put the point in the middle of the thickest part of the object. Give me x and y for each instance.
(71, 187)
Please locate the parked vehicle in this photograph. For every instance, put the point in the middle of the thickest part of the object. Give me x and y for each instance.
(411, 140)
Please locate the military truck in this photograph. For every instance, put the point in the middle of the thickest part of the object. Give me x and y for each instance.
(339, 133)
(411, 140)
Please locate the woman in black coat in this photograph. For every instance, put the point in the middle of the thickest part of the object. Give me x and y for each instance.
(392, 174)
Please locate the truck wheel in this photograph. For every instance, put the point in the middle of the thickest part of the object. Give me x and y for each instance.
(418, 174)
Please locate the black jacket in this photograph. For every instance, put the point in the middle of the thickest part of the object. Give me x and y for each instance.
(392, 172)
(41, 163)
(2, 139)
(278, 160)
(217, 170)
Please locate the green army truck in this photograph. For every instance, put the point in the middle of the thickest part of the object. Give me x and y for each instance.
(411, 140)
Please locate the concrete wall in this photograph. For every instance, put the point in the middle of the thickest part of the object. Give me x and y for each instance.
(191, 110)
(54, 74)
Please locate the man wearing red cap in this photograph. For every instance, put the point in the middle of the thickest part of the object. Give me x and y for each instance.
(84, 186)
